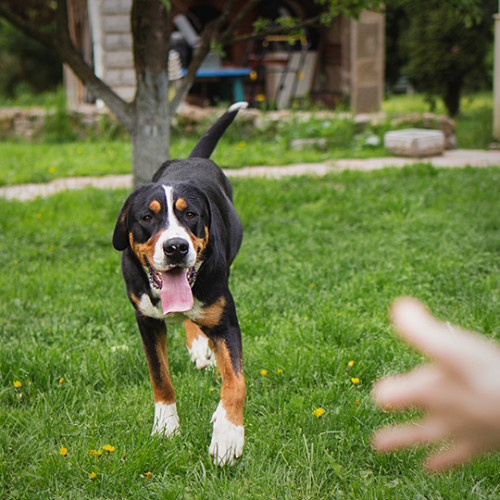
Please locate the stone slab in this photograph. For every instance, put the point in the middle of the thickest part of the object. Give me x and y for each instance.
(415, 142)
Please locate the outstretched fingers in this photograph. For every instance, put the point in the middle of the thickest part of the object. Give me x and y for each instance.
(411, 434)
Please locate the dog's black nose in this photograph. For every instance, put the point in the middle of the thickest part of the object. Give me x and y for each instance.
(176, 248)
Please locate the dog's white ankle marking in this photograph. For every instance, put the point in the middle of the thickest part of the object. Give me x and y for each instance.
(201, 354)
(166, 421)
(227, 439)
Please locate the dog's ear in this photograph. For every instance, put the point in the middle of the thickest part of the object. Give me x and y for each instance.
(120, 235)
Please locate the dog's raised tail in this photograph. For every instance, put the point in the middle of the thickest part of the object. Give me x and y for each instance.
(209, 140)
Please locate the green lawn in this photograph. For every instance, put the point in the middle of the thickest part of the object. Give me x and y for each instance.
(321, 261)
(42, 162)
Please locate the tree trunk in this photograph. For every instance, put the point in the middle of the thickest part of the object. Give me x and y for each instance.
(150, 140)
(150, 134)
(452, 97)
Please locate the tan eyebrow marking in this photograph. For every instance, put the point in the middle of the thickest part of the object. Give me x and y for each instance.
(180, 204)
(155, 206)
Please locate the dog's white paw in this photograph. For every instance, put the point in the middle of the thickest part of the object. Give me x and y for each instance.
(201, 354)
(227, 439)
(166, 421)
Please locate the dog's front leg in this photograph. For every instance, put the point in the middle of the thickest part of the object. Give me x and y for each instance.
(154, 341)
(228, 433)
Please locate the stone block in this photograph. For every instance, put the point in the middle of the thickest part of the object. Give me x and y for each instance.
(119, 59)
(116, 24)
(415, 142)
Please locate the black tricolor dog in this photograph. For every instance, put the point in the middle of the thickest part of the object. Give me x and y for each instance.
(179, 235)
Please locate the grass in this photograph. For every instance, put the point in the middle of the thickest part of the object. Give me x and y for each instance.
(474, 124)
(45, 161)
(321, 261)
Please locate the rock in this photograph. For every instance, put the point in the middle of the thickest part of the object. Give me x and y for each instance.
(415, 142)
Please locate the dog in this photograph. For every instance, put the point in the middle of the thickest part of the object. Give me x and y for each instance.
(178, 236)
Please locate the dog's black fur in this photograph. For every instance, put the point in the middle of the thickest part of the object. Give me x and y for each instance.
(184, 222)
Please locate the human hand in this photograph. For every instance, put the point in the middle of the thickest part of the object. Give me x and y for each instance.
(460, 389)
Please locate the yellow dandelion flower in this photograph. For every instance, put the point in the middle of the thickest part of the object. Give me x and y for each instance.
(318, 412)
(108, 448)
(355, 380)
(147, 475)
(16, 262)
(17, 384)
(241, 145)
(79, 151)
(260, 97)
(351, 363)
(95, 453)
(92, 475)
(38, 216)
(312, 285)
(52, 169)
(280, 371)
(63, 451)
(263, 373)
(211, 389)
(61, 380)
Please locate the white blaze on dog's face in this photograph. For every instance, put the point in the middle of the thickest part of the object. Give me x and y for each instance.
(174, 236)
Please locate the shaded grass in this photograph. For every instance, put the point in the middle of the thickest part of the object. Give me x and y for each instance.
(242, 145)
(474, 124)
(43, 162)
(321, 261)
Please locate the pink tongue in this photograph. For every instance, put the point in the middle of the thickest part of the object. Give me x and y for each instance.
(176, 295)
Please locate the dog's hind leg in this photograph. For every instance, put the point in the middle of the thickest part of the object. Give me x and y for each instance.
(154, 340)
(198, 346)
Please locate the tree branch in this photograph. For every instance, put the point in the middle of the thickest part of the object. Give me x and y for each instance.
(27, 28)
(65, 49)
(210, 31)
(226, 37)
(275, 30)
(72, 57)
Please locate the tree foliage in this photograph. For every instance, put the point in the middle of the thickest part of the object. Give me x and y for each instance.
(445, 49)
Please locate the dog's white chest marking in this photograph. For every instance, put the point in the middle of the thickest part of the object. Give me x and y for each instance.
(151, 311)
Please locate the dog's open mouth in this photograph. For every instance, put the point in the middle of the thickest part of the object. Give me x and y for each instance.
(175, 288)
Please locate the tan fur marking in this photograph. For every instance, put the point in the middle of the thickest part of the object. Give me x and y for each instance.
(180, 204)
(135, 299)
(211, 315)
(144, 250)
(232, 394)
(199, 243)
(155, 206)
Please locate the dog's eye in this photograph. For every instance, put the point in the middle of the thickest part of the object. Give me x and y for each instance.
(147, 218)
(190, 215)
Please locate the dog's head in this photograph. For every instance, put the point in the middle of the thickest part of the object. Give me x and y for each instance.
(167, 227)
